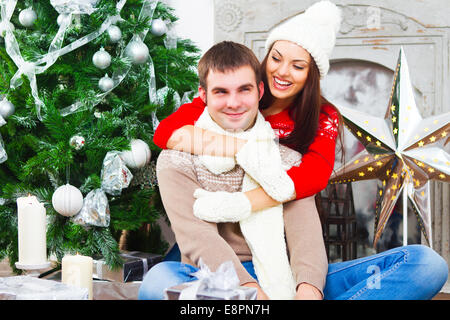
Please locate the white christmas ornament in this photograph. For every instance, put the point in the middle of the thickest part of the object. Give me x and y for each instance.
(67, 200)
(138, 156)
(101, 59)
(114, 33)
(106, 83)
(137, 51)
(27, 17)
(159, 27)
(6, 109)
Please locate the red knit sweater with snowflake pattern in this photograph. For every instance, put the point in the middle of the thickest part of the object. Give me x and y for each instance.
(310, 177)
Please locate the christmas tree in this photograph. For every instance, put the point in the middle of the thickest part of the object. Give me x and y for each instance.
(82, 86)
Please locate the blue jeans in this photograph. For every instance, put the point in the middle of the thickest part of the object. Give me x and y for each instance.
(413, 272)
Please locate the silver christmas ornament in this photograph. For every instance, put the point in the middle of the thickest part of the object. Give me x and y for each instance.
(6, 109)
(114, 33)
(115, 175)
(106, 83)
(97, 114)
(159, 27)
(27, 17)
(95, 210)
(101, 59)
(137, 51)
(77, 142)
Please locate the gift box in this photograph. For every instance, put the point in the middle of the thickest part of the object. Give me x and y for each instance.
(239, 293)
(135, 266)
(111, 290)
(223, 284)
(30, 288)
(106, 290)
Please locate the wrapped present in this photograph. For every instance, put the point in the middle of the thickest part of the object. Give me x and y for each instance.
(30, 288)
(135, 266)
(104, 289)
(223, 284)
(112, 290)
(239, 293)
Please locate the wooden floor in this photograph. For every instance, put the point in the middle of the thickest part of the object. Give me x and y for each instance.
(442, 296)
(5, 271)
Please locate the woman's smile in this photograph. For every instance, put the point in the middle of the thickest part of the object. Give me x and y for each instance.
(281, 84)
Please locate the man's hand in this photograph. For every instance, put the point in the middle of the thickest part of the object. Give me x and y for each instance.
(261, 295)
(306, 291)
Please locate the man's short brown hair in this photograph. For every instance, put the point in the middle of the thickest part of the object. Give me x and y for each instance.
(227, 56)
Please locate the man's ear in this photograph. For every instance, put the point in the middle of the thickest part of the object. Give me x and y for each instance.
(202, 93)
(261, 89)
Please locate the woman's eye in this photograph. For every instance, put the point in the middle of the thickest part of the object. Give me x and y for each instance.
(275, 59)
(298, 67)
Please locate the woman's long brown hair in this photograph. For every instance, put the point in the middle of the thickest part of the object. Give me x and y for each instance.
(304, 111)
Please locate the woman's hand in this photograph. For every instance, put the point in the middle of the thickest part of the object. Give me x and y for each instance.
(261, 160)
(306, 291)
(221, 206)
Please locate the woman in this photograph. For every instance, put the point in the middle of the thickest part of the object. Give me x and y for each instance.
(292, 104)
(297, 58)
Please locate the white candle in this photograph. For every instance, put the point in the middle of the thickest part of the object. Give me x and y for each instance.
(77, 271)
(32, 231)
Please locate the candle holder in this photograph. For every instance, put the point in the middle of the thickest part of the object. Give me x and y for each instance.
(33, 270)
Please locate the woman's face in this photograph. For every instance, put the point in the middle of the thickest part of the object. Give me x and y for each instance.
(287, 69)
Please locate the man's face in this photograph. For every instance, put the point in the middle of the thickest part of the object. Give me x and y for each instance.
(232, 97)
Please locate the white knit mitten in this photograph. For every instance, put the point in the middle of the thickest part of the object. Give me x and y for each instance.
(221, 206)
(261, 160)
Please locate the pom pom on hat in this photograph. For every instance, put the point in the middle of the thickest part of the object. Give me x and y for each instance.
(315, 30)
(325, 12)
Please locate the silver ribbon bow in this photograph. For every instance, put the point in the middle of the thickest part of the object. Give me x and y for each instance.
(32, 68)
(223, 279)
(95, 210)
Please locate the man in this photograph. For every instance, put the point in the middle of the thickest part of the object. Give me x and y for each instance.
(231, 86)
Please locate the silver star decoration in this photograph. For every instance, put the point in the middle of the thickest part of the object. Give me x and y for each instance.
(403, 150)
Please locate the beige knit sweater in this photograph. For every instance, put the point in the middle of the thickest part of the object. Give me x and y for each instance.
(179, 174)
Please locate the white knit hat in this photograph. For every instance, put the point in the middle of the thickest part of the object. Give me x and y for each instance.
(314, 30)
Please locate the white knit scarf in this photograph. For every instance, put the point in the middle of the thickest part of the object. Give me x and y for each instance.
(263, 230)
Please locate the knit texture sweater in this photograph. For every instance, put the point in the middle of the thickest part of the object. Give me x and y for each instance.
(310, 177)
(180, 174)
(263, 230)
